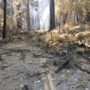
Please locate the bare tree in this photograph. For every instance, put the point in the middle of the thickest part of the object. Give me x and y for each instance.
(52, 15)
(4, 21)
(28, 16)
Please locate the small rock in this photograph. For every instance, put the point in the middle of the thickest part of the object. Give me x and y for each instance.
(86, 89)
(24, 87)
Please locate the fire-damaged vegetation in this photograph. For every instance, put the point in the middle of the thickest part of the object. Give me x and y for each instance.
(41, 57)
(74, 41)
(44, 44)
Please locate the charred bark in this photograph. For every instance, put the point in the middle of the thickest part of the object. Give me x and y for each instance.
(52, 15)
(4, 21)
(28, 16)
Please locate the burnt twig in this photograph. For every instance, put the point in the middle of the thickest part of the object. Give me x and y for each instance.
(60, 67)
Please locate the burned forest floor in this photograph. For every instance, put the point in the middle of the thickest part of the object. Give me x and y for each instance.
(30, 64)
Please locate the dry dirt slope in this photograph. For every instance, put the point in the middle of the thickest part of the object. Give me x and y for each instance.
(25, 66)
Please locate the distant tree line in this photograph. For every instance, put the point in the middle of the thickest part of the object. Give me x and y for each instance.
(69, 11)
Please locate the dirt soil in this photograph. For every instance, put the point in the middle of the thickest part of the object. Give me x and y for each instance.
(26, 66)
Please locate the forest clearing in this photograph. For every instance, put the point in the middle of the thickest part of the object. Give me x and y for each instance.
(44, 45)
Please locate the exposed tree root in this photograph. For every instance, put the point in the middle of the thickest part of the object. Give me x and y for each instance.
(72, 60)
(8, 51)
(84, 70)
(66, 63)
(84, 56)
(60, 67)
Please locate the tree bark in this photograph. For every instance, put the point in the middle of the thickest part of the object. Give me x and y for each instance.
(4, 21)
(28, 17)
(52, 15)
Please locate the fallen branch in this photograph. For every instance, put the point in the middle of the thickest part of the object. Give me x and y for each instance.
(69, 57)
(60, 67)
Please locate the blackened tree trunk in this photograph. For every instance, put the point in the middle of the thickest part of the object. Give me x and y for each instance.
(4, 21)
(52, 15)
(28, 16)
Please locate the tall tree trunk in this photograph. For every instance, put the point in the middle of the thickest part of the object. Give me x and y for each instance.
(4, 21)
(52, 15)
(28, 16)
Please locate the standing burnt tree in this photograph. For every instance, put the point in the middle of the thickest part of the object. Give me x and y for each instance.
(52, 15)
(4, 21)
(28, 16)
